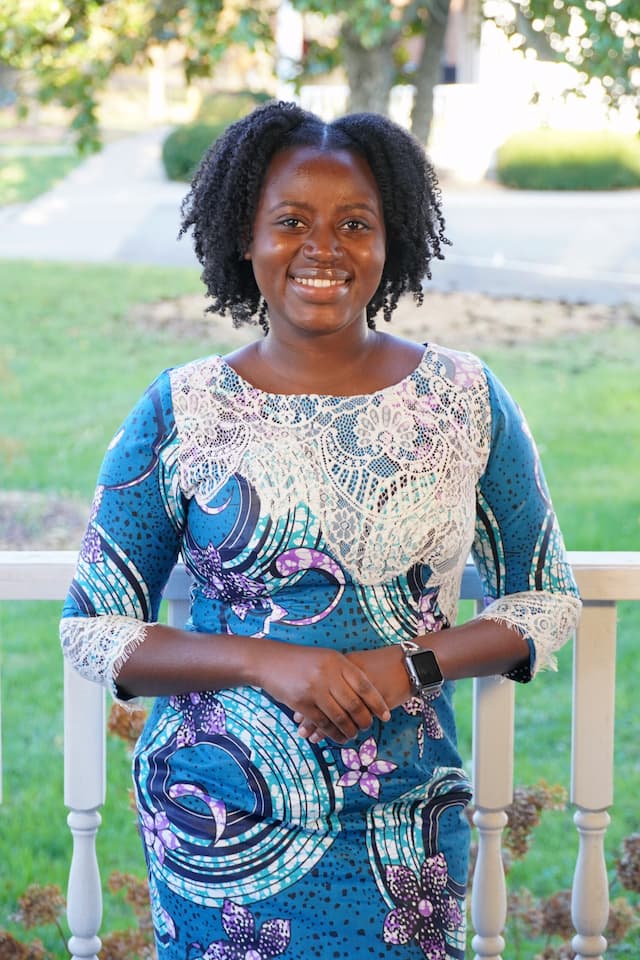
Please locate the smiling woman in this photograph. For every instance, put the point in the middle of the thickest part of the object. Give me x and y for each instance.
(298, 782)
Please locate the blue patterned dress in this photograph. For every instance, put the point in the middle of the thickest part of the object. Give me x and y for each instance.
(339, 522)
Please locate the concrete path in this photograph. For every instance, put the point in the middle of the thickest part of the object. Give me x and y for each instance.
(118, 207)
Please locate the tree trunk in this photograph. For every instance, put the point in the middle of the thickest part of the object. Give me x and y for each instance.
(370, 72)
(427, 73)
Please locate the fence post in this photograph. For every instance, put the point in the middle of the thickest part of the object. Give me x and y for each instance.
(594, 678)
(84, 794)
(493, 737)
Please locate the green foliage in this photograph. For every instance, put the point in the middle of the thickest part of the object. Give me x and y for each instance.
(70, 48)
(569, 160)
(599, 38)
(225, 106)
(23, 177)
(183, 149)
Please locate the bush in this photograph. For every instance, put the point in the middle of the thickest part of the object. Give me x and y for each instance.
(229, 105)
(569, 160)
(183, 148)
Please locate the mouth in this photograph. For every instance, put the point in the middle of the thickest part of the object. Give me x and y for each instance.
(320, 281)
(317, 282)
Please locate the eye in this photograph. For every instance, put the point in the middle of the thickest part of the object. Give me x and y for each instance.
(291, 222)
(354, 226)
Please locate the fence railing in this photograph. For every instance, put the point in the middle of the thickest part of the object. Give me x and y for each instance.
(603, 579)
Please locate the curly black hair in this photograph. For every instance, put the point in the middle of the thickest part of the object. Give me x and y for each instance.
(223, 198)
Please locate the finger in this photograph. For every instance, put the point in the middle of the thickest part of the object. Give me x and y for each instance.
(371, 700)
(346, 711)
(316, 725)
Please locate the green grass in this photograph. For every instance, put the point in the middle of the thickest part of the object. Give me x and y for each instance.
(24, 177)
(71, 365)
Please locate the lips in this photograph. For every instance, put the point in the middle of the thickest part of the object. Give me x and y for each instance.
(318, 282)
(318, 279)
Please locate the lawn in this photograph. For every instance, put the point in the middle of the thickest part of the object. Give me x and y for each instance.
(24, 176)
(71, 365)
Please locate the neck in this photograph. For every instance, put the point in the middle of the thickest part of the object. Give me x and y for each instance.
(319, 364)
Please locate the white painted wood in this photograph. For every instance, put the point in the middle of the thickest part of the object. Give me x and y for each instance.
(590, 892)
(592, 769)
(493, 740)
(493, 724)
(489, 892)
(84, 890)
(84, 794)
(594, 690)
(85, 756)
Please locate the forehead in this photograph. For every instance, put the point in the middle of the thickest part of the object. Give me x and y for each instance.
(312, 169)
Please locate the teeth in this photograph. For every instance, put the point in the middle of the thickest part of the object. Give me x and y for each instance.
(317, 282)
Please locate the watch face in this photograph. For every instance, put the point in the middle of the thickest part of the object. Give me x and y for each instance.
(426, 668)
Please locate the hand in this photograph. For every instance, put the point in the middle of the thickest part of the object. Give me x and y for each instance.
(386, 671)
(325, 687)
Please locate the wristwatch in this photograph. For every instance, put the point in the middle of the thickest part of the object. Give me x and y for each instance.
(422, 666)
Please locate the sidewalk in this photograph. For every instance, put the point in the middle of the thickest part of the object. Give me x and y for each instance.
(118, 207)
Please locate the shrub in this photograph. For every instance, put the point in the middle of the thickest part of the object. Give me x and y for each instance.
(183, 148)
(229, 105)
(569, 160)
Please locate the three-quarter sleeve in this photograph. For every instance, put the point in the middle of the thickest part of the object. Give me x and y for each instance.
(131, 543)
(518, 548)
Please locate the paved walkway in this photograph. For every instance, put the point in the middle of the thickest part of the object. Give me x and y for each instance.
(118, 207)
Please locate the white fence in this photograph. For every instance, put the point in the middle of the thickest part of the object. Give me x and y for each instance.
(603, 579)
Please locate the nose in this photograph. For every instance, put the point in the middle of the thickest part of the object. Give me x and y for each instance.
(322, 244)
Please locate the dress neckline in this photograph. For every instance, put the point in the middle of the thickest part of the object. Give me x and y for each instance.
(249, 387)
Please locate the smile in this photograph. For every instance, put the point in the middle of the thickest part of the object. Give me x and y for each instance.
(318, 282)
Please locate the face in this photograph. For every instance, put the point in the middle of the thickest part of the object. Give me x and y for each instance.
(318, 245)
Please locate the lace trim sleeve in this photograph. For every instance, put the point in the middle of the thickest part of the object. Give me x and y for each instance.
(98, 647)
(546, 619)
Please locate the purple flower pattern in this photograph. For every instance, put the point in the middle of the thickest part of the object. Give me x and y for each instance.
(91, 547)
(201, 712)
(364, 768)
(245, 943)
(424, 910)
(157, 833)
(420, 707)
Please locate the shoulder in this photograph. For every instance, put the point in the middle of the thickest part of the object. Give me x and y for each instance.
(462, 369)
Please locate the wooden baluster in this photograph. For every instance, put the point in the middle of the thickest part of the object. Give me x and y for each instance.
(592, 772)
(493, 741)
(84, 793)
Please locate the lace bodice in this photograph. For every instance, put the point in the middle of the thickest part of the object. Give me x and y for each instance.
(391, 476)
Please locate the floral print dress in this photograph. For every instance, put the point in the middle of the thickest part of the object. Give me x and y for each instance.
(325, 520)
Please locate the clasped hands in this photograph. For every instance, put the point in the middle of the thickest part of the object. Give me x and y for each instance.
(335, 695)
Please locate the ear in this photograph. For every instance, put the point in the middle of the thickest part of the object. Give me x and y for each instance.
(247, 254)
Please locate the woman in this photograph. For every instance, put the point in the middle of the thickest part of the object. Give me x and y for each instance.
(299, 788)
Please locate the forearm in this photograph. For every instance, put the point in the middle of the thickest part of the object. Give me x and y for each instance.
(478, 648)
(172, 661)
(320, 683)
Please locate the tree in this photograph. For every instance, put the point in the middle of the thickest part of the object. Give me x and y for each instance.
(600, 38)
(68, 49)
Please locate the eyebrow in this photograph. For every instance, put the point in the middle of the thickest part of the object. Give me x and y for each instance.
(343, 208)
